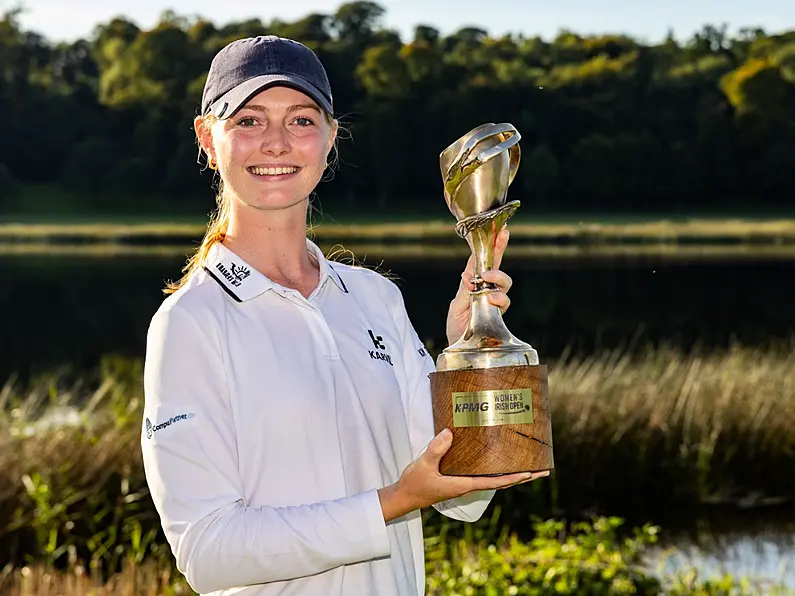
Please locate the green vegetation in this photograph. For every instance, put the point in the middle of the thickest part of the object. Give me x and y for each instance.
(609, 123)
(585, 558)
(682, 429)
(573, 231)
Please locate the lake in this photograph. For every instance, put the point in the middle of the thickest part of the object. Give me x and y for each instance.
(64, 306)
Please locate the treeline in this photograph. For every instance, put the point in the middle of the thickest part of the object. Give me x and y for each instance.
(608, 122)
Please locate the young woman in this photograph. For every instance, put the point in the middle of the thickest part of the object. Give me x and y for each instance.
(288, 435)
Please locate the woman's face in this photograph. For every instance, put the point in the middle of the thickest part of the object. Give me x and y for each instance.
(272, 152)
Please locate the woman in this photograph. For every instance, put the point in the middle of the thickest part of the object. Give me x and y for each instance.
(288, 435)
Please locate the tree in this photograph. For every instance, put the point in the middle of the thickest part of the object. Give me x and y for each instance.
(606, 119)
(356, 22)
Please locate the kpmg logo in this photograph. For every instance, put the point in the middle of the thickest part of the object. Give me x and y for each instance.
(379, 353)
(235, 274)
(152, 429)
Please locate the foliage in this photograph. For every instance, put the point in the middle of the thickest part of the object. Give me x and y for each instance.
(684, 429)
(590, 559)
(608, 122)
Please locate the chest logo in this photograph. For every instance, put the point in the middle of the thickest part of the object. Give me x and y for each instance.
(379, 353)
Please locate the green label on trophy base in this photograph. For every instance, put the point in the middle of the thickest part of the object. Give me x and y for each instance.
(493, 407)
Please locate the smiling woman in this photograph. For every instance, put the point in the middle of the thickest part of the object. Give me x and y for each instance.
(304, 447)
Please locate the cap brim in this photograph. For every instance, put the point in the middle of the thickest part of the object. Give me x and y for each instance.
(229, 103)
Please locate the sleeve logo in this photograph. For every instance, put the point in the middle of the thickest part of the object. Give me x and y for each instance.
(152, 429)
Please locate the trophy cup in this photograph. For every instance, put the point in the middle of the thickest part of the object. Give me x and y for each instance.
(488, 388)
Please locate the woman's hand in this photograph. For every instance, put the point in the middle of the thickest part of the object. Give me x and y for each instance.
(458, 314)
(422, 485)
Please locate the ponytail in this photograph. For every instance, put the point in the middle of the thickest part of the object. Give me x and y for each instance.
(216, 232)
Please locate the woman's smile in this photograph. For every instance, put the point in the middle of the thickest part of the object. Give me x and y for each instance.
(273, 173)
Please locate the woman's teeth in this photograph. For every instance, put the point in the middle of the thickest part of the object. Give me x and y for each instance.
(272, 171)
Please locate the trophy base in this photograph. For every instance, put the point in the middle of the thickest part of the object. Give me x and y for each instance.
(499, 417)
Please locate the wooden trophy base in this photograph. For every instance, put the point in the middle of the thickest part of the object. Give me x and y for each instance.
(479, 406)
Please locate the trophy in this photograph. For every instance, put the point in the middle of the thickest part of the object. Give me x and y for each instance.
(489, 388)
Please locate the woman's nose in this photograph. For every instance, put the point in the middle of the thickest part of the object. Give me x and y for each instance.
(275, 140)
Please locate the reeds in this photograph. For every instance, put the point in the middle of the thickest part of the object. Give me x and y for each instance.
(133, 580)
(681, 429)
(575, 230)
(654, 430)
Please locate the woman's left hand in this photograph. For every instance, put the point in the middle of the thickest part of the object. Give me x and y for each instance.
(459, 313)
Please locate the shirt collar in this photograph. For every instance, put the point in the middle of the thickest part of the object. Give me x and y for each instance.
(242, 282)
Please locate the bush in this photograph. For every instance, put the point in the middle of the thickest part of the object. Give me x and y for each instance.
(589, 559)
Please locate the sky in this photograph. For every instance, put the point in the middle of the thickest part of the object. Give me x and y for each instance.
(646, 20)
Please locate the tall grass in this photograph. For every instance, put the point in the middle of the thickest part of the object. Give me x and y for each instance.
(676, 428)
(657, 429)
(572, 229)
(134, 580)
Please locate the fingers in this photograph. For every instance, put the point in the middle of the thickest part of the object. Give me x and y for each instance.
(438, 447)
(503, 282)
(500, 279)
(467, 275)
(499, 300)
(500, 245)
(508, 480)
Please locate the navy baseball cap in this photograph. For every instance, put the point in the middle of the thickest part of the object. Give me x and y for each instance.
(247, 66)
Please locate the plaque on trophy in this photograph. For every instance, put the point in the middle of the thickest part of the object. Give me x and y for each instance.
(489, 388)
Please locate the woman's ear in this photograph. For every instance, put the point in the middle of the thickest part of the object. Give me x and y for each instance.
(332, 135)
(205, 136)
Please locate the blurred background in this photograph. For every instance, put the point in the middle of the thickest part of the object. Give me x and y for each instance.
(653, 260)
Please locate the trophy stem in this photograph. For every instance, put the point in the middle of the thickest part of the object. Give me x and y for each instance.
(481, 233)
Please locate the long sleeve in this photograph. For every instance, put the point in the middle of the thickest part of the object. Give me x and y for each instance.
(190, 460)
(418, 365)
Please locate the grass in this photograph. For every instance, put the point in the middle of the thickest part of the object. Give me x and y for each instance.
(43, 213)
(775, 231)
(659, 428)
(678, 428)
(147, 579)
(370, 252)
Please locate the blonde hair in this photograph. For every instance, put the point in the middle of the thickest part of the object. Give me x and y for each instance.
(219, 220)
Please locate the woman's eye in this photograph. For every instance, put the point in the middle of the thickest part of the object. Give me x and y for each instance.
(304, 121)
(247, 121)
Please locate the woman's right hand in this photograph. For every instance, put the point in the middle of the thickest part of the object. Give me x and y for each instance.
(422, 485)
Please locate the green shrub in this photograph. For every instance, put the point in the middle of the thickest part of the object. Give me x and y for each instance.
(587, 559)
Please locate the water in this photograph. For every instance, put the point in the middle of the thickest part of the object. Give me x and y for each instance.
(758, 547)
(61, 308)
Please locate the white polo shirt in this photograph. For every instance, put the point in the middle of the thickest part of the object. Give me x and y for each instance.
(271, 421)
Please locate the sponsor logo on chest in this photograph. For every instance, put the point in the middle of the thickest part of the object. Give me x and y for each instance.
(379, 353)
